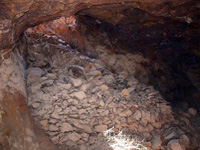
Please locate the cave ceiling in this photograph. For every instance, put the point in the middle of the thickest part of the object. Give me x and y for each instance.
(16, 16)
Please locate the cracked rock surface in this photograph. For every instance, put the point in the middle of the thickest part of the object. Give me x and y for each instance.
(74, 99)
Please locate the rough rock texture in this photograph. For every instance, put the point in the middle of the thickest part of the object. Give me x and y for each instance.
(166, 32)
(170, 45)
(75, 117)
(170, 35)
(17, 16)
(62, 27)
(17, 130)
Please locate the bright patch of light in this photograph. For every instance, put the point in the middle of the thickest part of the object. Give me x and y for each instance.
(121, 141)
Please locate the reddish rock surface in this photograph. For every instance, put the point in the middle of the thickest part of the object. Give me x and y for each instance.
(17, 16)
(169, 36)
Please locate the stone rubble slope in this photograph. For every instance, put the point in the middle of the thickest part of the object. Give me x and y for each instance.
(75, 98)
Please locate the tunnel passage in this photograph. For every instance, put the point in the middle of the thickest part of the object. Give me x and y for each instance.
(105, 21)
(171, 47)
(63, 81)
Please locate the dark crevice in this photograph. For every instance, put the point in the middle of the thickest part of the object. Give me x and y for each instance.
(171, 46)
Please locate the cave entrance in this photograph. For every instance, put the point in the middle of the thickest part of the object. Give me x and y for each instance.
(80, 83)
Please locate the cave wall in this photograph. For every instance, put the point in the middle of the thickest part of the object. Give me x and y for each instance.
(17, 129)
(171, 46)
(16, 16)
(13, 106)
(64, 28)
(167, 35)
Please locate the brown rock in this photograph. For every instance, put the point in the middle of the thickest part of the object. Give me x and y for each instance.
(192, 111)
(34, 73)
(66, 127)
(79, 95)
(16, 16)
(44, 123)
(64, 86)
(137, 115)
(86, 128)
(35, 105)
(147, 144)
(74, 136)
(104, 87)
(95, 73)
(185, 141)
(53, 128)
(156, 143)
(174, 145)
(125, 92)
(76, 82)
(100, 128)
(55, 115)
(85, 87)
(51, 76)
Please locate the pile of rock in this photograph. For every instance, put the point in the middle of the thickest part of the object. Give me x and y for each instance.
(75, 98)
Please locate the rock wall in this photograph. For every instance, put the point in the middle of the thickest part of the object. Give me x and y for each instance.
(17, 16)
(17, 129)
(64, 28)
(166, 32)
(75, 98)
(167, 50)
(170, 47)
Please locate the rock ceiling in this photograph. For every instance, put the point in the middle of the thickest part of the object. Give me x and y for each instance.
(16, 16)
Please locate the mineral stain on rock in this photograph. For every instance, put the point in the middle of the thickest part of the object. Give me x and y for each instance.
(96, 69)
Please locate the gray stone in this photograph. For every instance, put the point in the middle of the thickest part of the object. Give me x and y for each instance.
(185, 141)
(51, 90)
(92, 99)
(51, 76)
(66, 127)
(192, 111)
(102, 104)
(35, 88)
(150, 127)
(44, 123)
(53, 128)
(64, 86)
(128, 112)
(42, 79)
(47, 82)
(174, 145)
(146, 115)
(170, 136)
(105, 113)
(85, 87)
(79, 95)
(125, 113)
(76, 82)
(100, 128)
(81, 111)
(34, 73)
(95, 73)
(108, 79)
(87, 128)
(55, 115)
(83, 147)
(74, 136)
(104, 87)
(137, 115)
(53, 121)
(156, 143)
(40, 112)
(36, 105)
